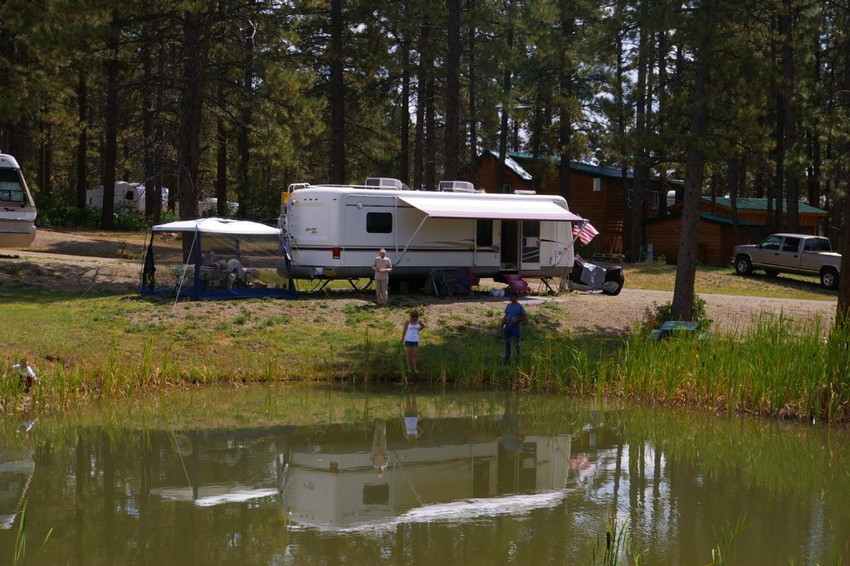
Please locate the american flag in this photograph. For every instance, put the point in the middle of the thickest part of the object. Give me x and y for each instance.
(585, 232)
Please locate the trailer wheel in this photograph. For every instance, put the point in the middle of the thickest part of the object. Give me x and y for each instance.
(743, 265)
(829, 278)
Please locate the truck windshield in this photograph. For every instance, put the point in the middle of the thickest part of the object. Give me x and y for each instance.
(11, 189)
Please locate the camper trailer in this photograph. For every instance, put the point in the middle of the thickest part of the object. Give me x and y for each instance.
(17, 208)
(128, 197)
(335, 231)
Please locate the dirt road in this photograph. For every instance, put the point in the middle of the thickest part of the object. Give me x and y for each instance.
(94, 264)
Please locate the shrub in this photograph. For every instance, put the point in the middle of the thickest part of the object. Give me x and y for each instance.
(653, 319)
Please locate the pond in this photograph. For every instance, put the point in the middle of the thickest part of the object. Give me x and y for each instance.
(312, 476)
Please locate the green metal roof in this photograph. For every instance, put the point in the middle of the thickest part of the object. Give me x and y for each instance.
(761, 204)
(707, 216)
(595, 170)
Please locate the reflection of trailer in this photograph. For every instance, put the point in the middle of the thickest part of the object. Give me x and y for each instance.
(342, 490)
(17, 208)
(335, 231)
(16, 471)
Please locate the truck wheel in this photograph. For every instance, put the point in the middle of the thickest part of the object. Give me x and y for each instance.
(829, 278)
(743, 265)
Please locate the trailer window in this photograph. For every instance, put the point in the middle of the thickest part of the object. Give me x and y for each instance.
(379, 222)
(484, 233)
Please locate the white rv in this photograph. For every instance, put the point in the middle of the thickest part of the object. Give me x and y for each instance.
(17, 208)
(128, 197)
(335, 231)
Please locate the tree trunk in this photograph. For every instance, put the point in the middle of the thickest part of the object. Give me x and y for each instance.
(243, 140)
(683, 294)
(452, 94)
(842, 316)
(473, 110)
(404, 151)
(789, 133)
(110, 146)
(503, 126)
(196, 40)
(82, 142)
(337, 96)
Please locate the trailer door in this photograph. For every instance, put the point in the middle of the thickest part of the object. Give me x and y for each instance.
(530, 245)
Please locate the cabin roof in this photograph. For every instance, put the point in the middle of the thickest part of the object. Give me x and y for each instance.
(513, 165)
(761, 204)
(514, 161)
(707, 216)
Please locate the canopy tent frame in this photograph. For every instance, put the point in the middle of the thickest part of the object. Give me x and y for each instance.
(238, 230)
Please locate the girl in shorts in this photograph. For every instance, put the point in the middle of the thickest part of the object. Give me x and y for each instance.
(410, 337)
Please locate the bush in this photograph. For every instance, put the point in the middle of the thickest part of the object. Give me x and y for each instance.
(653, 319)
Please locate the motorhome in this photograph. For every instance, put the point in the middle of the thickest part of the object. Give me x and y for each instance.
(17, 208)
(335, 231)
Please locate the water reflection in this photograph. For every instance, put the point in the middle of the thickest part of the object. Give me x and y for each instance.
(17, 467)
(428, 479)
(449, 465)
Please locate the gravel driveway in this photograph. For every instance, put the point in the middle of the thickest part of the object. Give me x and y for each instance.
(82, 264)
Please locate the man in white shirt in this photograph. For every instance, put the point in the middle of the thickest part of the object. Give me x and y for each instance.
(382, 267)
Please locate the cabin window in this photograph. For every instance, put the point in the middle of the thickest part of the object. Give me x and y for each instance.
(484, 233)
(655, 200)
(629, 197)
(507, 188)
(597, 184)
(379, 222)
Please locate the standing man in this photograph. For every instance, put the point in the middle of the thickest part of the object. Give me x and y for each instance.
(382, 267)
(514, 315)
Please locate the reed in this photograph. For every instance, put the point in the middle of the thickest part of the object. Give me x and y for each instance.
(778, 367)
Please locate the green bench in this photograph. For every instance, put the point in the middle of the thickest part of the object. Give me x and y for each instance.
(675, 328)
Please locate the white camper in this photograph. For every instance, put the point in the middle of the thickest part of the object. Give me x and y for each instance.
(335, 231)
(17, 208)
(128, 197)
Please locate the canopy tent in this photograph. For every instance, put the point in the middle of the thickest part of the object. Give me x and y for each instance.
(506, 208)
(216, 258)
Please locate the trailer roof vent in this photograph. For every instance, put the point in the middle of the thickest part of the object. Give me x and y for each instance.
(386, 183)
(456, 187)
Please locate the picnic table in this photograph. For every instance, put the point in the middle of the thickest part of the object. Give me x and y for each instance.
(677, 328)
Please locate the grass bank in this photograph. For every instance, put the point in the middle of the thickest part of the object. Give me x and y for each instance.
(115, 346)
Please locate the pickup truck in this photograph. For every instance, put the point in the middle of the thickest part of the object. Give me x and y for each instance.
(790, 253)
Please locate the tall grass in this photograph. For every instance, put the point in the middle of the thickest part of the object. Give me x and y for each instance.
(777, 367)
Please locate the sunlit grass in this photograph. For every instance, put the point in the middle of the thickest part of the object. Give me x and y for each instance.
(723, 280)
(113, 347)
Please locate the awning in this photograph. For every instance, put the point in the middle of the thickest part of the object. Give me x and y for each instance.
(219, 226)
(491, 207)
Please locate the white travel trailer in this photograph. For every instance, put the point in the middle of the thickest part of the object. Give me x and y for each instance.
(17, 208)
(335, 231)
(127, 197)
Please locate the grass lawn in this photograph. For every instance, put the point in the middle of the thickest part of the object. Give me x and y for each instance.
(724, 281)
